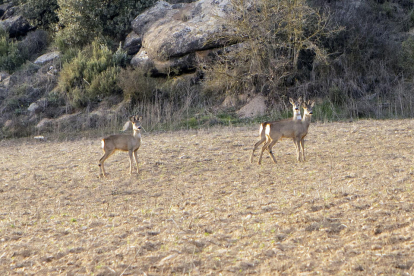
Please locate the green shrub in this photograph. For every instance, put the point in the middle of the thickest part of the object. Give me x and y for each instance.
(82, 21)
(10, 56)
(41, 14)
(120, 57)
(105, 84)
(14, 54)
(33, 44)
(89, 76)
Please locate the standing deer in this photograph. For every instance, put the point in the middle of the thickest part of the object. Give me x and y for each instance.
(129, 143)
(262, 135)
(295, 129)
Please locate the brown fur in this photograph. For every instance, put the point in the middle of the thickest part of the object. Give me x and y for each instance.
(295, 129)
(262, 135)
(130, 143)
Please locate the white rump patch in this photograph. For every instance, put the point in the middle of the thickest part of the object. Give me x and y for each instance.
(267, 129)
(103, 143)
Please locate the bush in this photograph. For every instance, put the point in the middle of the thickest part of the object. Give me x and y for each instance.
(104, 84)
(90, 76)
(82, 21)
(33, 44)
(41, 14)
(278, 45)
(136, 85)
(10, 56)
(14, 54)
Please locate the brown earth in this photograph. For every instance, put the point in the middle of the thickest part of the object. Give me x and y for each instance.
(199, 207)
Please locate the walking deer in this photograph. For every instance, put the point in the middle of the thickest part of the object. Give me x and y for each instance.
(129, 143)
(262, 135)
(295, 129)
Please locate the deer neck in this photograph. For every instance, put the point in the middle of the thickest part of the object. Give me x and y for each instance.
(137, 133)
(306, 119)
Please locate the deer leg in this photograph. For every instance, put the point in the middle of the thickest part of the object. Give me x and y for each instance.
(263, 139)
(272, 143)
(130, 152)
(297, 146)
(136, 159)
(302, 143)
(102, 160)
(266, 144)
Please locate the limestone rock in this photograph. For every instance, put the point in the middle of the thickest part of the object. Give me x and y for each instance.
(172, 34)
(132, 43)
(47, 58)
(16, 26)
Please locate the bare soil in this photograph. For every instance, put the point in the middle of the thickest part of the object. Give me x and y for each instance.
(199, 207)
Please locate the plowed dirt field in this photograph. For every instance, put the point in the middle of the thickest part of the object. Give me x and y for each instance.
(199, 207)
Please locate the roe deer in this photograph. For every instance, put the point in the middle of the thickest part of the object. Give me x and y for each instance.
(295, 129)
(129, 143)
(262, 135)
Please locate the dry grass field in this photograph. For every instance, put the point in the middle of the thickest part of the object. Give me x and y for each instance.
(199, 207)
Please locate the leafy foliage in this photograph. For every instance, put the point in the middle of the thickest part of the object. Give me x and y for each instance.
(14, 53)
(41, 13)
(82, 21)
(10, 57)
(90, 76)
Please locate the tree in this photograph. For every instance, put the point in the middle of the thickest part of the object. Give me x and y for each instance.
(275, 38)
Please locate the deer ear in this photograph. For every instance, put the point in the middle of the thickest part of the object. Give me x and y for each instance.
(291, 101)
(313, 103)
(126, 126)
(131, 118)
(140, 118)
(300, 99)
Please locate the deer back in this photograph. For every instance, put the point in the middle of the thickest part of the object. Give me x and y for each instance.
(284, 128)
(123, 142)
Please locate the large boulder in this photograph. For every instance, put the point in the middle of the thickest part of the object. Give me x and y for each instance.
(4, 7)
(173, 66)
(16, 26)
(172, 34)
(132, 43)
(47, 58)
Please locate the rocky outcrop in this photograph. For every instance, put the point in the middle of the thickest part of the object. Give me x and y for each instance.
(132, 43)
(172, 34)
(4, 8)
(47, 58)
(16, 26)
(12, 21)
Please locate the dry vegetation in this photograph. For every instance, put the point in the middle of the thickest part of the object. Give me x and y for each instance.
(199, 207)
